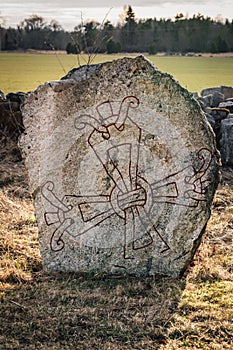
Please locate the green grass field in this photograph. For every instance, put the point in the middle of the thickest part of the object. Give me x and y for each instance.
(24, 72)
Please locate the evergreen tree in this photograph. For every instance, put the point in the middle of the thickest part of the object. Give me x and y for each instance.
(183, 34)
(129, 37)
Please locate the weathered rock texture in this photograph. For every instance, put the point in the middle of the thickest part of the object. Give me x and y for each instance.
(123, 168)
(10, 114)
(227, 91)
(226, 142)
(217, 103)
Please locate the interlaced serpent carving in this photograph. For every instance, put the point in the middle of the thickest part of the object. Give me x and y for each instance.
(131, 196)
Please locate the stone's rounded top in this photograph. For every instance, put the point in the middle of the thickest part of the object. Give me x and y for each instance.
(83, 72)
(123, 167)
(89, 70)
(119, 78)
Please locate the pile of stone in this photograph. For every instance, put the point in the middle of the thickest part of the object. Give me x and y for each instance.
(217, 103)
(11, 124)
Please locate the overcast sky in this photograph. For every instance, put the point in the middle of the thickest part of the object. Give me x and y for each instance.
(70, 12)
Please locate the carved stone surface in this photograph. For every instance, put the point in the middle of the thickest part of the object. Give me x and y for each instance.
(123, 168)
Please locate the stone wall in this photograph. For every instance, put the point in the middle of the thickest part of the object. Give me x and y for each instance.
(11, 124)
(217, 103)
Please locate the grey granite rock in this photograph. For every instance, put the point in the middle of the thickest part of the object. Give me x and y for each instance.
(123, 167)
(226, 142)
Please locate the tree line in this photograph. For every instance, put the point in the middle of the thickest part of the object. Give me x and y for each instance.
(182, 35)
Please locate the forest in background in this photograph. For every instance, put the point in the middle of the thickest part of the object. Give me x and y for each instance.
(181, 35)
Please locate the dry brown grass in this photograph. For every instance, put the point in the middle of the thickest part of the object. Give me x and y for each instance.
(80, 311)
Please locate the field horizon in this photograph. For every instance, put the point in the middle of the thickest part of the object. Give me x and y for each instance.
(26, 71)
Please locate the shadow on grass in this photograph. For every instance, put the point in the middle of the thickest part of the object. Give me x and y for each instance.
(83, 311)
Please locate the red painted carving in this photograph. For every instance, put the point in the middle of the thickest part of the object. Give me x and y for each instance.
(131, 197)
